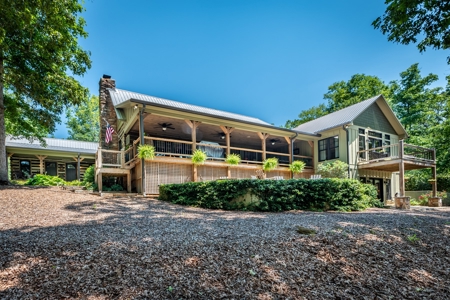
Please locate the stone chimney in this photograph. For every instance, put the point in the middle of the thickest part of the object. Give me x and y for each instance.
(107, 113)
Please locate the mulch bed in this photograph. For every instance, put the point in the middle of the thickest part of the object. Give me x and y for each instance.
(58, 244)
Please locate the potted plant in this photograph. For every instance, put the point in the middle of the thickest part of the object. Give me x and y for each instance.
(146, 152)
(297, 166)
(233, 159)
(198, 157)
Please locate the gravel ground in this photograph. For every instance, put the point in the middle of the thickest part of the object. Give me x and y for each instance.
(57, 244)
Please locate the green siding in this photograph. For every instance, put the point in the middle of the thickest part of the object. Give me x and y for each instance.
(374, 118)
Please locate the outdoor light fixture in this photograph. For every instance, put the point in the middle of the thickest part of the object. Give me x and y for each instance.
(222, 136)
(135, 106)
(164, 128)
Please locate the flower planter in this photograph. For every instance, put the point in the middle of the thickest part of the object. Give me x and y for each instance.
(435, 202)
(402, 202)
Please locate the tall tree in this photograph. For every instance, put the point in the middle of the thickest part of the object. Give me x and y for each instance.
(307, 115)
(38, 50)
(83, 121)
(360, 87)
(407, 21)
(418, 107)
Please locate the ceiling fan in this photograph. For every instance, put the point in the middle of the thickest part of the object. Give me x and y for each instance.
(164, 126)
(219, 134)
(274, 141)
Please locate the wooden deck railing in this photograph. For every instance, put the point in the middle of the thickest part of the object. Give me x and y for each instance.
(396, 151)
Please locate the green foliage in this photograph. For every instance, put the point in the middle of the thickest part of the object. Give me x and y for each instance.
(406, 21)
(198, 157)
(443, 182)
(423, 199)
(307, 115)
(270, 164)
(83, 120)
(39, 57)
(74, 183)
(233, 159)
(413, 238)
(146, 152)
(274, 195)
(45, 180)
(333, 169)
(89, 175)
(297, 166)
(116, 187)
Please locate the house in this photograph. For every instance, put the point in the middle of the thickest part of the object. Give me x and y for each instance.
(67, 159)
(366, 135)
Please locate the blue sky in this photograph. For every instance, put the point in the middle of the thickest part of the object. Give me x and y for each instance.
(266, 59)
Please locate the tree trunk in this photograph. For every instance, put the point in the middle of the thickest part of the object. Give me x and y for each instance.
(3, 159)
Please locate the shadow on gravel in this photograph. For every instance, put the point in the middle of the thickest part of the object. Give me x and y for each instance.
(140, 248)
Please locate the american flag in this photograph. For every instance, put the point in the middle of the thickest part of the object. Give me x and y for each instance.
(109, 132)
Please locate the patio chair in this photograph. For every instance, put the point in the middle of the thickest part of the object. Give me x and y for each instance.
(316, 176)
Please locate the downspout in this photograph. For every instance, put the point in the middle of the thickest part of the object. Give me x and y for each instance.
(345, 127)
(141, 131)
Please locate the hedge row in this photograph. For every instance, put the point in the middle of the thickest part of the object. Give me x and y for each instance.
(418, 181)
(274, 195)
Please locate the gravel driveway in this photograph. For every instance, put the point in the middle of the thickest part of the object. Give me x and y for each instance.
(58, 244)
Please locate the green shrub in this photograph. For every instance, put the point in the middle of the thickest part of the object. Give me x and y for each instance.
(297, 166)
(423, 199)
(89, 175)
(198, 157)
(417, 180)
(146, 152)
(116, 187)
(74, 183)
(233, 159)
(274, 195)
(269, 164)
(443, 182)
(45, 180)
(333, 169)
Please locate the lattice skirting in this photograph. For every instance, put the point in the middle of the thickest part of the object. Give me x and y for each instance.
(206, 173)
(163, 173)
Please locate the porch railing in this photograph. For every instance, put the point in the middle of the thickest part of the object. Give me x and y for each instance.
(395, 151)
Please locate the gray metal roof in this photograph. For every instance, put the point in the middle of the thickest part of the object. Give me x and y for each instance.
(54, 145)
(119, 96)
(337, 118)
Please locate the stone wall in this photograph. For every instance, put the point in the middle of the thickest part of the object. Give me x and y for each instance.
(107, 113)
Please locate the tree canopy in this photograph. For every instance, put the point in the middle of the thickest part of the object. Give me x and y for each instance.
(39, 55)
(83, 121)
(408, 21)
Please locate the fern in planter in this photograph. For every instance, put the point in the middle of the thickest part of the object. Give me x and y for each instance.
(270, 164)
(297, 166)
(233, 159)
(198, 157)
(146, 152)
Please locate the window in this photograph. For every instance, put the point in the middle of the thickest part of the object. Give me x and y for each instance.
(25, 168)
(329, 148)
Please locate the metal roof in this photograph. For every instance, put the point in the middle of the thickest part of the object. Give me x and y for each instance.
(119, 96)
(337, 118)
(54, 145)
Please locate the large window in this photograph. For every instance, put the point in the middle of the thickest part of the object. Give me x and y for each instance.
(25, 168)
(329, 148)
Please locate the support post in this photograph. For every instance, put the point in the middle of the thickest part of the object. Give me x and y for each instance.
(100, 183)
(78, 167)
(129, 181)
(227, 130)
(142, 141)
(433, 172)
(41, 163)
(193, 125)
(263, 137)
(402, 169)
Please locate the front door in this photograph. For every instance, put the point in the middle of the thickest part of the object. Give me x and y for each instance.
(51, 168)
(71, 171)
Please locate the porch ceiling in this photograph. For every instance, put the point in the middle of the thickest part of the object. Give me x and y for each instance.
(393, 165)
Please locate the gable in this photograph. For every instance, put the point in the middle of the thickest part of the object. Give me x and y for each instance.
(374, 118)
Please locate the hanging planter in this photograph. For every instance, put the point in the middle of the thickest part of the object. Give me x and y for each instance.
(198, 157)
(146, 152)
(297, 166)
(233, 159)
(270, 164)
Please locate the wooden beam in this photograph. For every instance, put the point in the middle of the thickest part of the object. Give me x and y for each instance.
(76, 159)
(194, 127)
(41, 163)
(10, 154)
(288, 140)
(263, 137)
(189, 123)
(129, 181)
(401, 166)
(227, 131)
(311, 144)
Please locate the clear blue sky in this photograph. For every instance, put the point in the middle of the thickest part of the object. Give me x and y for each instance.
(267, 59)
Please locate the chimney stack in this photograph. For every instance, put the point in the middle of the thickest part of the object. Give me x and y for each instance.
(107, 113)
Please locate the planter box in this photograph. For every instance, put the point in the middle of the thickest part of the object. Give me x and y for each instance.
(435, 202)
(402, 202)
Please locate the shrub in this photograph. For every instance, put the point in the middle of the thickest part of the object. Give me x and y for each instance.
(233, 159)
(198, 157)
(45, 180)
(89, 175)
(418, 180)
(146, 152)
(423, 199)
(116, 187)
(274, 195)
(269, 164)
(297, 166)
(333, 169)
(74, 183)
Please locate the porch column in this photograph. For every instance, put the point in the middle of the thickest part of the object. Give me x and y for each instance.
(8, 164)
(142, 141)
(193, 125)
(311, 144)
(41, 163)
(263, 137)
(129, 181)
(78, 167)
(401, 169)
(227, 131)
(290, 143)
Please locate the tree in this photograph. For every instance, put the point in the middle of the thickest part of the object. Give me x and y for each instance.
(406, 21)
(83, 121)
(307, 115)
(39, 54)
(341, 94)
(360, 87)
(418, 107)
